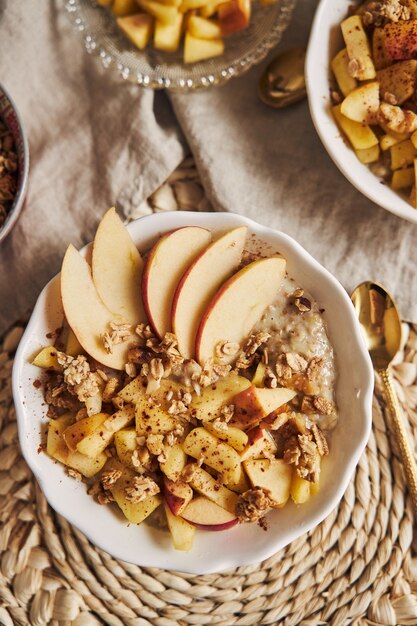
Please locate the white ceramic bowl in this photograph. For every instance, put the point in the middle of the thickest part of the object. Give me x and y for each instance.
(246, 544)
(325, 41)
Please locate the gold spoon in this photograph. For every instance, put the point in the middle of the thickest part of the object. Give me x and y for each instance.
(282, 82)
(381, 327)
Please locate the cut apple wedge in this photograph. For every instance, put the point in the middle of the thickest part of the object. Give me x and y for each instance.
(117, 269)
(86, 313)
(208, 486)
(208, 515)
(217, 454)
(261, 445)
(168, 260)
(255, 403)
(362, 104)
(137, 28)
(234, 16)
(274, 475)
(238, 305)
(200, 283)
(182, 533)
(177, 495)
(207, 405)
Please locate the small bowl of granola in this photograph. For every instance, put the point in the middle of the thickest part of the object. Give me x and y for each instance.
(192, 391)
(361, 85)
(14, 164)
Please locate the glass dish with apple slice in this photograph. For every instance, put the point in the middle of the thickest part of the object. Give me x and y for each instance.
(158, 28)
(191, 385)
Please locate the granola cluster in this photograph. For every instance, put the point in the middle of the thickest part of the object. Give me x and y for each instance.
(379, 13)
(8, 171)
(303, 446)
(254, 504)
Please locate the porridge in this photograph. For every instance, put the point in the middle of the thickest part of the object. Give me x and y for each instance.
(176, 405)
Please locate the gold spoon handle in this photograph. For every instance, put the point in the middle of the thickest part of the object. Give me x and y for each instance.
(403, 438)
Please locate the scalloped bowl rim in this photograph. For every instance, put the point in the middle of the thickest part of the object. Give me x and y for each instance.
(317, 70)
(213, 552)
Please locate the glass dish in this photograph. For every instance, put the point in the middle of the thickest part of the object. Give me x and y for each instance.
(162, 70)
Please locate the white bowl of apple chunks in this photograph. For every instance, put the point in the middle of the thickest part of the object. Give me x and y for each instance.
(362, 76)
(180, 44)
(192, 373)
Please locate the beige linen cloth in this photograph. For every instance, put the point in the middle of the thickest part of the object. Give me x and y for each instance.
(95, 140)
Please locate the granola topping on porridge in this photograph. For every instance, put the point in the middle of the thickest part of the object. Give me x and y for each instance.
(143, 487)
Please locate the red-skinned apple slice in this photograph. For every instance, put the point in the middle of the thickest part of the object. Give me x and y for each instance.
(254, 403)
(207, 515)
(168, 260)
(86, 313)
(200, 283)
(177, 495)
(238, 305)
(117, 269)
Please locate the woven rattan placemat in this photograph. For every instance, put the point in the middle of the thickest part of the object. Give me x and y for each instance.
(358, 567)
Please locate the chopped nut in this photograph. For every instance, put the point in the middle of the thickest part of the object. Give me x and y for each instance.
(143, 487)
(130, 369)
(323, 406)
(296, 362)
(110, 389)
(74, 474)
(254, 504)
(390, 98)
(320, 439)
(110, 477)
(303, 304)
(397, 119)
(226, 348)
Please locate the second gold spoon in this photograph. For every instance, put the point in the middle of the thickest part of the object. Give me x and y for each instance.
(381, 326)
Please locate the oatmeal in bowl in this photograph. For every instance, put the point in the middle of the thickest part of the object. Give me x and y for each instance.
(194, 383)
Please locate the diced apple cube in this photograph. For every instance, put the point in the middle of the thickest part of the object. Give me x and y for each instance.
(261, 445)
(235, 437)
(58, 449)
(300, 489)
(199, 49)
(362, 104)
(403, 178)
(137, 28)
(125, 443)
(208, 404)
(379, 54)
(369, 155)
(274, 475)
(47, 359)
(72, 345)
(178, 494)
(95, 442)
(154, 421)
(254, 403)
(83, 428)
(234, 16)
(163, 13)
(398, 80)
(402, 154)
(240, 482)
(340, 67)
(400, 40)
(360, 136)
(182, 532)
(121, 8)
(358, 48)
(387, 141)
(208, 486)
(203, 28)
(167, 36)
(259, 375)
(175, 461)
(217, 454)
